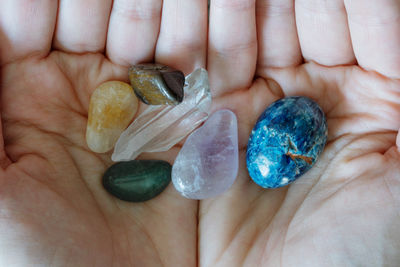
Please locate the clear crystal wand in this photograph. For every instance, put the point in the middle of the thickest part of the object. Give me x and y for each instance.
(159, 128)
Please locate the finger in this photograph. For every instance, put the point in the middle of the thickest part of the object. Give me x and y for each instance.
(26, 28)
(232, 45)
(323, 32)
(375, 32)
(82, 25)
(277, 34)
(133, 31)
(183, 34)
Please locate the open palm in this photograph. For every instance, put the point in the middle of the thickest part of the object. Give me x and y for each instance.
(344, 212)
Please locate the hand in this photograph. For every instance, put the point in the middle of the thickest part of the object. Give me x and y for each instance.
(53, 209)
(346, 56)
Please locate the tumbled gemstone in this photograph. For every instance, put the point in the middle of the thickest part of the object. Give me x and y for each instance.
(112, 107)
(286, 141)
(157, 84)
(159, 128)
(207, 164)
(137, 180)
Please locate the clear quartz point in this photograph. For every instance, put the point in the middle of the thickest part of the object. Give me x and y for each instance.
(159, 128)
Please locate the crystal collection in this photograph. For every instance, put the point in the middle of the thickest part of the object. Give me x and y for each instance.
(285, 142)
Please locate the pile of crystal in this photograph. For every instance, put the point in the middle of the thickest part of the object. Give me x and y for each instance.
(160, 127)
(207, 164)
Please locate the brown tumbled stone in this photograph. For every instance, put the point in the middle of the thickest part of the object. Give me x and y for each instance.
(157, 84)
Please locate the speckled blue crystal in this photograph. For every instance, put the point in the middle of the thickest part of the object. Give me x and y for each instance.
(286, 141)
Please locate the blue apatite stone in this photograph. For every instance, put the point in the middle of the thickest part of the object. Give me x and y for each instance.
(286, 141)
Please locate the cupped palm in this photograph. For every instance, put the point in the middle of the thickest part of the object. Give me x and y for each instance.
(344, 212)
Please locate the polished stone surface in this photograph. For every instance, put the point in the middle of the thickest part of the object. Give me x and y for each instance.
(159, 128)
(207, 164)
(286, 141)
(157, 84)
(137, 180)
(112, 107)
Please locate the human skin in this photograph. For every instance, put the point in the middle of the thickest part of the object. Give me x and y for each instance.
(343, 54)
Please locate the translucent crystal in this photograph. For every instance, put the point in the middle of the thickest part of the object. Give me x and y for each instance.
(207, 164)
(159, 128)
(112, 107)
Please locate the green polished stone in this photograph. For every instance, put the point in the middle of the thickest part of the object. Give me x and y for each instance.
(137, 180)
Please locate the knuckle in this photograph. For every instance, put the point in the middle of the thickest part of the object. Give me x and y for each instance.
(234, 4)
(138, 9)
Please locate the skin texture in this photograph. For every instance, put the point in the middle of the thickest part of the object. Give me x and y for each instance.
(343, 54)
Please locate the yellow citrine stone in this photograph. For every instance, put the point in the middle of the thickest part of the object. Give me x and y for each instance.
(112, 107)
